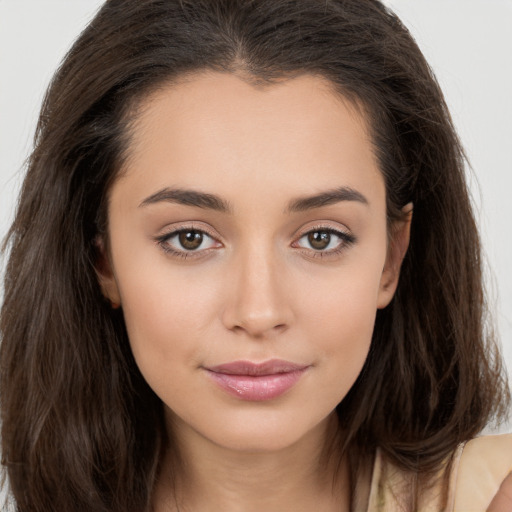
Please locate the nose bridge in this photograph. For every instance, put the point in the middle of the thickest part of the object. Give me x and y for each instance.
(259, 303)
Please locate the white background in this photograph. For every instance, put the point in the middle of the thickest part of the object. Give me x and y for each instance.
(467, 42)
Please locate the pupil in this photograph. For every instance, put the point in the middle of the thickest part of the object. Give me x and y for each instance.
(190, 239)
(319, 239)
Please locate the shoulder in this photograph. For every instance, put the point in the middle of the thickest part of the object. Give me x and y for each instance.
(466, 483)
(484, 464)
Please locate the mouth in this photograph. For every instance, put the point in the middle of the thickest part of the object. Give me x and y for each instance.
(257, 381)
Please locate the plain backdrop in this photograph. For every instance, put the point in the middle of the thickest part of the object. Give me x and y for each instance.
(467, 42)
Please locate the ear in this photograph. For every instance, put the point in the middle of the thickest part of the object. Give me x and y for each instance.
(398, 244)
(105, 274)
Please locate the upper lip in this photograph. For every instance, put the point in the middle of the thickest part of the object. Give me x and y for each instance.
(271, 367)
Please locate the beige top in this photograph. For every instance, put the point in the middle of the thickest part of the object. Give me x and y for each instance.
(477, 470)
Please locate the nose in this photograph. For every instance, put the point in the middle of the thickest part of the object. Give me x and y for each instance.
(259, 304)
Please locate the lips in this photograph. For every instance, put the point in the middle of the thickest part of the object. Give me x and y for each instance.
(257, 381)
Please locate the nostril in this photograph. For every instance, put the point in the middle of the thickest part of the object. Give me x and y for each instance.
(259, 331)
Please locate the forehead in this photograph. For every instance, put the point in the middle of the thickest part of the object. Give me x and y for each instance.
(239, 102)
(223, 132)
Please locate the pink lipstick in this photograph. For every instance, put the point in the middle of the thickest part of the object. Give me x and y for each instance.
(257, 381)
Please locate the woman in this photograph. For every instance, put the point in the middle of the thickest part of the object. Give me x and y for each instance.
(244, 273)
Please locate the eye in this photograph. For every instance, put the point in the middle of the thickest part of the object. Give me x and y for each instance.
(325, 240)
(188, 240)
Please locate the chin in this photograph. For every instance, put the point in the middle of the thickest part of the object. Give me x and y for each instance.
(269, 443)
(264, 434)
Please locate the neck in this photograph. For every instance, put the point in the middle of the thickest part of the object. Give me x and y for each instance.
(209, 477)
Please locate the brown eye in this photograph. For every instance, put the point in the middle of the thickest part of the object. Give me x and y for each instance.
(325, 241)
(186, 242)
(190, 240)
(319, 240)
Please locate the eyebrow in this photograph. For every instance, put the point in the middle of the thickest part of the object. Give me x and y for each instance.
(189, 198)
(325, 199)
(207, 201)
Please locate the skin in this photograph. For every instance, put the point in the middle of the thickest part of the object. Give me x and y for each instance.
(502, 502)
(255, 289)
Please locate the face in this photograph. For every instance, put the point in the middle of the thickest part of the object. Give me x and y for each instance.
(249, 251)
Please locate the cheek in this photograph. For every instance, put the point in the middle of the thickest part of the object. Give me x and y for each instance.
(341, 323)
(166, 315)
(347, 331)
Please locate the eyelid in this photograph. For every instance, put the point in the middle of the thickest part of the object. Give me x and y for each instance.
(323, 226)
(175, 229)
(188, 226)
(346, 237)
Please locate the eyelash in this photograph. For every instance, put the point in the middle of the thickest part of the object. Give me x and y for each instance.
(346, 240)
(163, 242)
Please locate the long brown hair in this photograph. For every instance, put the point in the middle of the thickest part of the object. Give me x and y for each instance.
(81, 430)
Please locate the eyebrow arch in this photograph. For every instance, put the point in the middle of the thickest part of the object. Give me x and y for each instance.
(204, 200)
(188, 198)
(325, 199)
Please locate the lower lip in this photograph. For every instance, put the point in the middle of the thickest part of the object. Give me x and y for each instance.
(259, 387)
